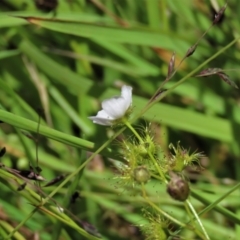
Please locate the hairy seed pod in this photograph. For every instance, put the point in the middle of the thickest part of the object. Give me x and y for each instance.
(178, 188)
(141, 174)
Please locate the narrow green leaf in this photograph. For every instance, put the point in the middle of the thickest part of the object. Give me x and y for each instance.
(28, 125)
(133, 35)
(8, 53)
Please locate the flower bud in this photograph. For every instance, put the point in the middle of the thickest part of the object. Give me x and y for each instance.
(219, 15)
(141, 174)
(182, 158)
(191, 50)
(178, 188)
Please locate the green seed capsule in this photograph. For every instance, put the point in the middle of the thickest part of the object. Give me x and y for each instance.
(141, 174)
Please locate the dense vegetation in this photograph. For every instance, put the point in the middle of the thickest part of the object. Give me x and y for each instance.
(59, 60)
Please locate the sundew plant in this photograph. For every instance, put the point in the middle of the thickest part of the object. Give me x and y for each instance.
(119, 119)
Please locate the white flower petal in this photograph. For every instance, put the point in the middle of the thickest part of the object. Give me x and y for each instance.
(114, 108)
(101, 121)
(102, 118)
(103, 114)
(117, 106)
(127, 95)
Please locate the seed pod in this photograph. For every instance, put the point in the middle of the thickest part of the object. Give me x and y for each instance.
(191, 50)
(141, 174)
(226, 79)
(219, 15)
(171, 65)
(209, 72)
(55, 180)
(178, 188)
(31, 175)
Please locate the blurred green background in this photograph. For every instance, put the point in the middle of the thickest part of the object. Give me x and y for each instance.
(66, 56)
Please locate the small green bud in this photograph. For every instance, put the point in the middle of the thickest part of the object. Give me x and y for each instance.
(178, 188)
(143, 149)
(182, 158)
(141, 174)
(147, 147)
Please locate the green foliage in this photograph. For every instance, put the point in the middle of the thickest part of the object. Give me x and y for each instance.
(66, 60)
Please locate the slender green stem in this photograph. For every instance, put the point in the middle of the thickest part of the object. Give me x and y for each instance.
(167, 215)
(205, 200)
(176, 69)
(68, 178)
(148, 106)
(192, 222)
(158, 209)
(4, 225)
(133, 131)
(214, 204)
(143, 191)
(198, 219)
(21, 224)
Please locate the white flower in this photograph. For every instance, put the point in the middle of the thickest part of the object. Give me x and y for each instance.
(114, 108)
